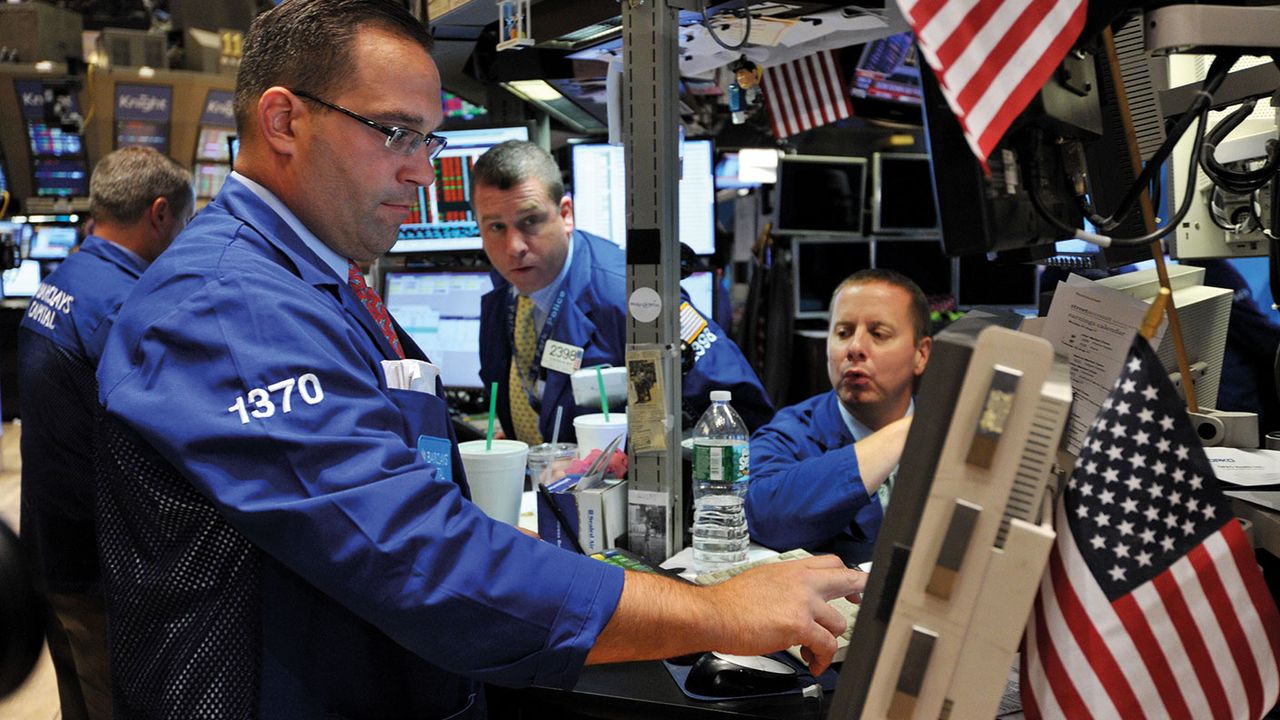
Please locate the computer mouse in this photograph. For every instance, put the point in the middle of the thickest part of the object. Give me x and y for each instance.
(720, 675)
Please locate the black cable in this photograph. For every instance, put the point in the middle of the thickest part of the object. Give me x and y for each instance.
(1188, 194)
(706, 23)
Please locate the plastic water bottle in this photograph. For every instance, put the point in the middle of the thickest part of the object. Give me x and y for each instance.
(721, 457)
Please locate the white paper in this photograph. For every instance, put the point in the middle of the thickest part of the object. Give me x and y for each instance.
(1093, 326)
(1245, 467)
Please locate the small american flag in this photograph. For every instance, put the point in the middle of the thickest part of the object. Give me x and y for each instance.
(1152, 605)
(992, 56)
(805, 93)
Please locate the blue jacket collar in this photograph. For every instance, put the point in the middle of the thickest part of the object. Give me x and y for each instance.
(114, 254)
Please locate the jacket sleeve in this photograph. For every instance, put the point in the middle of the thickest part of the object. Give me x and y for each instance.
(800, 496)
(328, 484)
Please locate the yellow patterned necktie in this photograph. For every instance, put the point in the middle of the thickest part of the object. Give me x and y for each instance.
(522, 413)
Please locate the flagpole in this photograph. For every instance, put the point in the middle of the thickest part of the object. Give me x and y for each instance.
(1149, 221)
(1151, 321)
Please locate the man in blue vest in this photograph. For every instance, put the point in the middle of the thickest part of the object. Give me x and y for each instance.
(274, 543)
(819, 471)
(559, 287)
(139, 200)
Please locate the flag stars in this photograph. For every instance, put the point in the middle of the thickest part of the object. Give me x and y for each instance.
(1193, 504)
(1179, 475)
(1142, 438)
(1151, 513)
(1155, 491)
(1086, 489)
(1125, 528)
(1163, 445)
(1082, 512)
(1121, 550)
(1166, 543)
(1091, 468)
(1196, 481)
(1130, 506)
(1111, 475)
(1146, 416)
(1166, 423)
(1170, 521)
(1189, 527)
(1144, 559)
(1148, 536)
(1209, 512)
(1175, 498)
(1158, 468)
(1098, 542)
(1106, 497)
(1122, 407)
(1102, 519)
(1096, 445)
(1137, 461)
(1181, 452)
(1134, 365)
(1117, 573)
(1134, 483)
(1128, 386)
(1117, 429)
(1149, 392)
(1114, 453)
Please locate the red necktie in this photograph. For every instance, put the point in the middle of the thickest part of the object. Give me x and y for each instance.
(369, 298)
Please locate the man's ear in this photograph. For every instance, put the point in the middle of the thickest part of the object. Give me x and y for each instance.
(566, 213)
(922, 355)
(278, 110)
(158, 213)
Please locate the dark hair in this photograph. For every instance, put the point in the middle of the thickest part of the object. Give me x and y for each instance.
(919, 304)
(125, 183)
(306, 44)
(510, 163)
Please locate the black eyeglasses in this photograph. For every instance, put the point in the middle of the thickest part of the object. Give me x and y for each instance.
(401, 140)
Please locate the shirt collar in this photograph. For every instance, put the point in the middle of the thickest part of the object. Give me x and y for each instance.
(333, 260)
(857, 429)
(544, 298)
(134, 257)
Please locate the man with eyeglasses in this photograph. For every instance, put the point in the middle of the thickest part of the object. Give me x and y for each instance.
(274, 545)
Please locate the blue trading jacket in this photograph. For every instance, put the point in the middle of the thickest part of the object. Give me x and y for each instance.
(806, 490)
(374, 587)
(59, 344)
(595, 320)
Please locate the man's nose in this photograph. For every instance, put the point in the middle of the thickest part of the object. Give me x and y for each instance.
(418, 170)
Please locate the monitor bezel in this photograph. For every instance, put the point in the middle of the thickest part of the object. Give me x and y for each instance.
(796, 243)
(877, 176)
(780, 228)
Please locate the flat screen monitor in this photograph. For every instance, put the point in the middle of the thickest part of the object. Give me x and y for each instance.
(818, 266)
(22, 281)
(457, 108)
(51, 242)
(902, 194)
(61, 178)
(442, 219)
(701, 289)
(820, 195)
(213, 143)
(888, 69)
(52, 141)
(209, 178)
(983, 282)
(924, 261)
(600, 194)
(142, 133)
(441, 312)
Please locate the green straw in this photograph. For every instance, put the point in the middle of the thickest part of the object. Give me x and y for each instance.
(604, 400)
(493, 410)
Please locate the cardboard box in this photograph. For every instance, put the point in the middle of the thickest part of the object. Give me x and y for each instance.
(598, 516)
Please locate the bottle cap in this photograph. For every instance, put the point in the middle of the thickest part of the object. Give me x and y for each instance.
(721, 396)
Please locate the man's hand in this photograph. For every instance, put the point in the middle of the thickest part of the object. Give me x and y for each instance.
(763, 610)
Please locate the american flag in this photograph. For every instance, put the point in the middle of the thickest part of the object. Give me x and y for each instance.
(992, 56)
(1153, 604)
(805, 93)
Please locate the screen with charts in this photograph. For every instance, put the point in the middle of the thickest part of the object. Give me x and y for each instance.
(599, 194)
(51, 242)
(142, 133)
(61, 178)
(22, 281)
(888, 69)
(441, 312)
(441, 219)
(209, 178)
(52, 141)
(212, 143)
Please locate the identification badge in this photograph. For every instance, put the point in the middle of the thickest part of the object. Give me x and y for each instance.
(561, 357)
(438, 453)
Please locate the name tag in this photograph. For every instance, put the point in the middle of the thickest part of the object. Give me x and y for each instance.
(438, 453)
(561, 357)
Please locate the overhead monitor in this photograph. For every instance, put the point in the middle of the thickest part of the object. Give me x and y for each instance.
(1009, 285)
(818, 266)
(600, 193)
(442, 219)
(50, 112)
(213, 143)
(458, 108)
(902, 194)
(142, 133)
(22, 281)
(885, 80)
(52, 141)
(820, 195)
(210, 177)
(51, 242)
(924, 261)
(441, 312)
(61, 178)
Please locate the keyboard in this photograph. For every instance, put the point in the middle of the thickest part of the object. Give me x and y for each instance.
(843, 606)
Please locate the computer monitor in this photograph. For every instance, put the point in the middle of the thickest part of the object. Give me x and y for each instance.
(51, 242)
(820, 195)
(142, 133)
(442, 219)
(441, 312)
(991, 283)
(902, 194)
(210, 177)
(458, 108)
(600, 194)
(61, 178)
(22, 281)
(818, 266)
(213, 143)
(886, 80)
(701, 289)
(48, 140)
(1203, 312)
(964, 540)
(924, 261)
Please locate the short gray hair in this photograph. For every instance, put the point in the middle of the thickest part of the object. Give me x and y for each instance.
(510, 163)
(127, 181)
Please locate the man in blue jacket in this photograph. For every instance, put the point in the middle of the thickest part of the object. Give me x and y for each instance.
(139, 200)
(819, 471)
(274, 544)
(572, 288)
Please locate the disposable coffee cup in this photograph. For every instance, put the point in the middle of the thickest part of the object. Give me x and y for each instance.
(594, 433)
(496, 476)
(548, 463)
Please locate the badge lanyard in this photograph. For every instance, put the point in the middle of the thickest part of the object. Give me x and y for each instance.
(529, 380)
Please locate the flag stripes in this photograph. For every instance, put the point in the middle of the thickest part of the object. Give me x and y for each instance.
(805, 93)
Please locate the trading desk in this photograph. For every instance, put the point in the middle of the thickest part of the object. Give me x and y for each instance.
(640, 691)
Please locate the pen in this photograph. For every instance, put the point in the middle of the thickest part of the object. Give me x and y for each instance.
(545, 494)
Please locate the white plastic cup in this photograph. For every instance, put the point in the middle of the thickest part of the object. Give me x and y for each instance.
(496, 476)
(594, 433)
(548, 463)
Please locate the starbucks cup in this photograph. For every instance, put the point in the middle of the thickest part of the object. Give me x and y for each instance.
(496, 476)
(594, 433)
